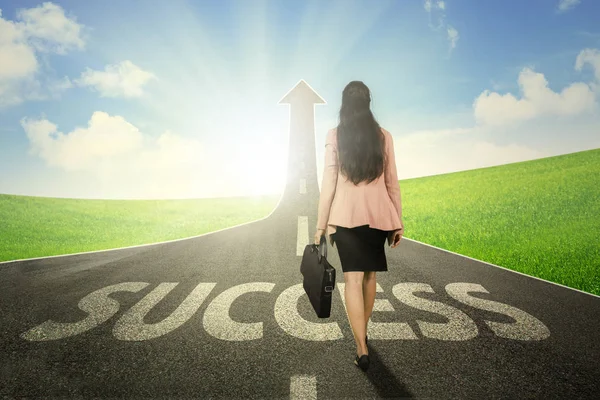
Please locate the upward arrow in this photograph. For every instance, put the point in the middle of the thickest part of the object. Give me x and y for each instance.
(301, 194)
(302, 93)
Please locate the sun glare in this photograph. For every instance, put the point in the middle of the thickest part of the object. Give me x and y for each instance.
(259, 156)
(263, 170)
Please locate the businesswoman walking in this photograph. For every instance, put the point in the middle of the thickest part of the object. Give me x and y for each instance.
(360, 205)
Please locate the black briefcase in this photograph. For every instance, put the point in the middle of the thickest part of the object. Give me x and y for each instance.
(319, 277)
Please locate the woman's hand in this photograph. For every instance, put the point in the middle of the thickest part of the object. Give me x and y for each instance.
(320, 232)
(397, 236)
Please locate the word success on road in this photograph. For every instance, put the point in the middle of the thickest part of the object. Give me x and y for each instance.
(217, 322)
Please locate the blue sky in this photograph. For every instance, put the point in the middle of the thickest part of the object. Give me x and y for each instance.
(178, 99)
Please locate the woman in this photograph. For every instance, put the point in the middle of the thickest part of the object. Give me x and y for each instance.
(360, 205)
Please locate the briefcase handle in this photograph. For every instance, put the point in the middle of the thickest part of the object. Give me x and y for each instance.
(322, 248)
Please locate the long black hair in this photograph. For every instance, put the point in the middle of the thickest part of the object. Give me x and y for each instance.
(360, 140)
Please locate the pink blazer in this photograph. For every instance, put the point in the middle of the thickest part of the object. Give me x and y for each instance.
(341, 203)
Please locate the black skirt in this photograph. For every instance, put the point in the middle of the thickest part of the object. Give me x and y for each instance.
(361, 248)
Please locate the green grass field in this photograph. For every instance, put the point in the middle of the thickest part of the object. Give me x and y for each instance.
(38, 226)
(539, 217)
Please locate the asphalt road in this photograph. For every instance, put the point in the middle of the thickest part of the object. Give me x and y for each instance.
(224, 315)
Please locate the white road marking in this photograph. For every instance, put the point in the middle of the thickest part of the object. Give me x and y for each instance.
(288, 318)
(382, 330)
(303, 387)
(97, 304)
(381, 304)
(527, 326)
(100, 308)
(219, 324)
(459, 326)
(302, 240)
(131, 325)
(303, 186)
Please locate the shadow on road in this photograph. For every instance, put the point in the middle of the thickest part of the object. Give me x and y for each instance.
(386, 384)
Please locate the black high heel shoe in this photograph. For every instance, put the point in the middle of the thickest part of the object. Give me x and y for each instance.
(362, 362)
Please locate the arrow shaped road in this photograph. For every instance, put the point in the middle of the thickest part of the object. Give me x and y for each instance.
(224, 315)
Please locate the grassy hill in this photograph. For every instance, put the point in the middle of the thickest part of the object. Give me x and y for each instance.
(40, 226)
(539, 217)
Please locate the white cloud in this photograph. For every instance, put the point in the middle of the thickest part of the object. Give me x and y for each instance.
(49, 30)
(60, 85)
(432, 152)
(591, 57)
(40, 29)
(104, 138)
(425, 153)
(124, 79)
(18, 58)
(537, 99)
(14, 92)
(452, 36)
(543, 123)
(126, 163)
(427, 5)
(564, 5)
(438, 8)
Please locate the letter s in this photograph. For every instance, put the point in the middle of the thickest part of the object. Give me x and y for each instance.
(527, 326)
(459, 325)
(97, 304)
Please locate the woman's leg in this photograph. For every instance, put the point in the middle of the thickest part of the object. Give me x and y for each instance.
(369, 289)
(356, 309)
